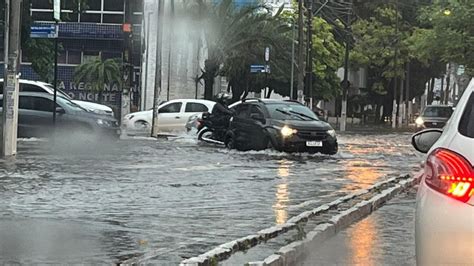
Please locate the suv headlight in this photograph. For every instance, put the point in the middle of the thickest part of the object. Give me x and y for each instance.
(419, 121)
(331, 133)
(287, 131)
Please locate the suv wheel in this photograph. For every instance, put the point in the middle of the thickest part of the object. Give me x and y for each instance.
(229, 143)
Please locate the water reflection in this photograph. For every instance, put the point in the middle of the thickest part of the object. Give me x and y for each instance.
(362, 241)
(362, 170)
(282, 194)
(362, 173)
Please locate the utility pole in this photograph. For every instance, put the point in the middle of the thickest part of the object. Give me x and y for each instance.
(301, 67)
(345, 82)
(309, 61)
(11, 84)
(395, 85)
(170, 40)
(159, 48)
(57, 18)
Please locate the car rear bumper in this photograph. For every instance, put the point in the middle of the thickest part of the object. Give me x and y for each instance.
(444, 229)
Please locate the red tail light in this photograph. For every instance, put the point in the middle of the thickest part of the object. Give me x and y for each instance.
(450, 174)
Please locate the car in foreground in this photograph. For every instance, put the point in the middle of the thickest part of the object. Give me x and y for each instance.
(434, 116)
(444, 226)
(172, 116)
(38, 86)
(35, 118)
(283, 125)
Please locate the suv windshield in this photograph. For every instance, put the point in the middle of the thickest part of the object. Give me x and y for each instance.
(60, 92)
(438, 111)
(290, 111)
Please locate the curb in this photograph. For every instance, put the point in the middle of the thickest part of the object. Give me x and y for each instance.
(294, 253)
(288, 255)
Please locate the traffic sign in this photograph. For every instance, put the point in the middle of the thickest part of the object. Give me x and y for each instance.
(44, 31)
(267, 54)
(257, 68)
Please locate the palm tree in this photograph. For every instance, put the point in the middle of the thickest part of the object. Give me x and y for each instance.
(228, 30)
(98, 73)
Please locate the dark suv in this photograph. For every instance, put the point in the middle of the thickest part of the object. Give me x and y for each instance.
(35, 117)
(434, 116)
(283, 125)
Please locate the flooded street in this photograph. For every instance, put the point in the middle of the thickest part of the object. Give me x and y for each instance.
(175, 198)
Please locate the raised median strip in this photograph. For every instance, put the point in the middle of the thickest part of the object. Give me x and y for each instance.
(323, 222)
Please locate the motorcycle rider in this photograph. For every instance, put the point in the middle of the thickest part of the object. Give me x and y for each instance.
(221, 112)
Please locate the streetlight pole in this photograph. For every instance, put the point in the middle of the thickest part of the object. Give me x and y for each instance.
(345, 83)
(301, 67)
(395, 85)
(309, 61)
(292, 59)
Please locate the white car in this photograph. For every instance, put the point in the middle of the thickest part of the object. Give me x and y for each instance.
(172, 116)
(38, 86)
(445, 199)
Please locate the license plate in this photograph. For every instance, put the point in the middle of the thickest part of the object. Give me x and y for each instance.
(314, 143)
(435, 124)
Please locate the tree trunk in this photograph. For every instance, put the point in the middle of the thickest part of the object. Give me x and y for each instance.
(430, 91)
(269, 93)
(448, 83)
(208, 86)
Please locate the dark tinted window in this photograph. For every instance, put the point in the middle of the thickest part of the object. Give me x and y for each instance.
(195, 108)
(466, 126)
(256, 110)
(35, 103)
(171, 108)
(437, 111)
(31, 88)
(242, 110)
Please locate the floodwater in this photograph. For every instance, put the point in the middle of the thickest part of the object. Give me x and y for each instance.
(176, 198)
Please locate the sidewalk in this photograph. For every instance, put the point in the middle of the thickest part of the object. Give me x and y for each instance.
(384, 238)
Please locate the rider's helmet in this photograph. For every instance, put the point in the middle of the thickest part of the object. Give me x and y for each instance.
(223, 98)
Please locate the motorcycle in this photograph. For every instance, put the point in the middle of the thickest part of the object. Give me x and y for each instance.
(209, 132)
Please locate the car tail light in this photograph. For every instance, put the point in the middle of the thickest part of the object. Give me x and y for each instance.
(451, 174)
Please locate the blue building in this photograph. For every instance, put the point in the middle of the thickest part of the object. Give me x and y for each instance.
(85, 36)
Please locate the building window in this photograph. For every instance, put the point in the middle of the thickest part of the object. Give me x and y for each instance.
(62, 57)
(42, 16)
(74, 57)
(42, 4)
(88, 17)
(69, 17)
(113, 5)
(110, 55)
(112, 18)
(89, 56)
(94, 5)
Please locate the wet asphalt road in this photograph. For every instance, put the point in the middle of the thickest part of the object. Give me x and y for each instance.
(103, 203)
